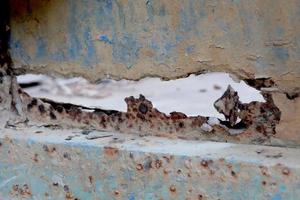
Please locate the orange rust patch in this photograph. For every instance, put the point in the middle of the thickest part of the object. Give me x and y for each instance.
(172, 188)
(110, 151)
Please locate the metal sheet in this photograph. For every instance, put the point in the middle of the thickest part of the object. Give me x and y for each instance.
(133, 39)
(40, 163)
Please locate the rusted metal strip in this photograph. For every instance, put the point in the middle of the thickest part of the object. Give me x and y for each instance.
(258, 119)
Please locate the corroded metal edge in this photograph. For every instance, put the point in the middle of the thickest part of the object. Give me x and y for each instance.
(39, 163)
(257, 125)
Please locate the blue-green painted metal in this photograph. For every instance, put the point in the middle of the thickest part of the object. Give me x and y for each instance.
(42, 164)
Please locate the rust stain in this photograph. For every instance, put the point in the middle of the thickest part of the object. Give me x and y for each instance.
(257, 125)
(91, 179)
(256, 116)
(139, 167)
(110, 151)
(285, 171)
(172, 188)
(24, 191)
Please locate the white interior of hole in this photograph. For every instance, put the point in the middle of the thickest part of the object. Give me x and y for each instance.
(193, 95)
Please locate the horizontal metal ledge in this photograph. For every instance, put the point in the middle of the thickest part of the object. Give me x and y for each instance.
(40, 163)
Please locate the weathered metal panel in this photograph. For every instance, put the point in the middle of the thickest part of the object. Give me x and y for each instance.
(132, 39)
(39, 163)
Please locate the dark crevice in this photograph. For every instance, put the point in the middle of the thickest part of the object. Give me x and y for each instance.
(292, 96)
(239, 125)
(60, 107)
(29, 85)
(260, 83)
(5, 59)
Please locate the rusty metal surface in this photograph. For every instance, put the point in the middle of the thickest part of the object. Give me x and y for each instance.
(133, 39)
(40, 163)
(256, 41)
(257, 124)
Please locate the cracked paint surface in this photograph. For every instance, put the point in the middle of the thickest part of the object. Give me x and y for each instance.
(168, 39)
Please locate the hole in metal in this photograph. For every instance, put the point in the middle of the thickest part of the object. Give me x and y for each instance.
(193, 95)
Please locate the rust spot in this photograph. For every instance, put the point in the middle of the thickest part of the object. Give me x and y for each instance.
(69, 196)
(110, 151)
(205, 163)
(49, 149)
(91, 179)
(166, 171)
(35, 157)
(67, 156)
(264, 170)
(177, 115)
(200, 197)
(172, 188)
(66, 188)
(158, 164)
(264, 183)
(55, 184)
(167, 158)
(285, 171)
(23, 191)
(139, 167)
(116, 192)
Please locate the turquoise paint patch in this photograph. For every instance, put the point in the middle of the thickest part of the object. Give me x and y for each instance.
(190, 49)
(74, 42)
(18, 51)
(276, 197)
(281, 53)
(282, 188)
(125, 50)
(105, 39)
(131, 196)
(41, 48)
(91, 57)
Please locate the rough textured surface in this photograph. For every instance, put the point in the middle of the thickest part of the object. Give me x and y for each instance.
(39, 163)
(255, 116)
(257, 125)
(133, 39)
(258, 120)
